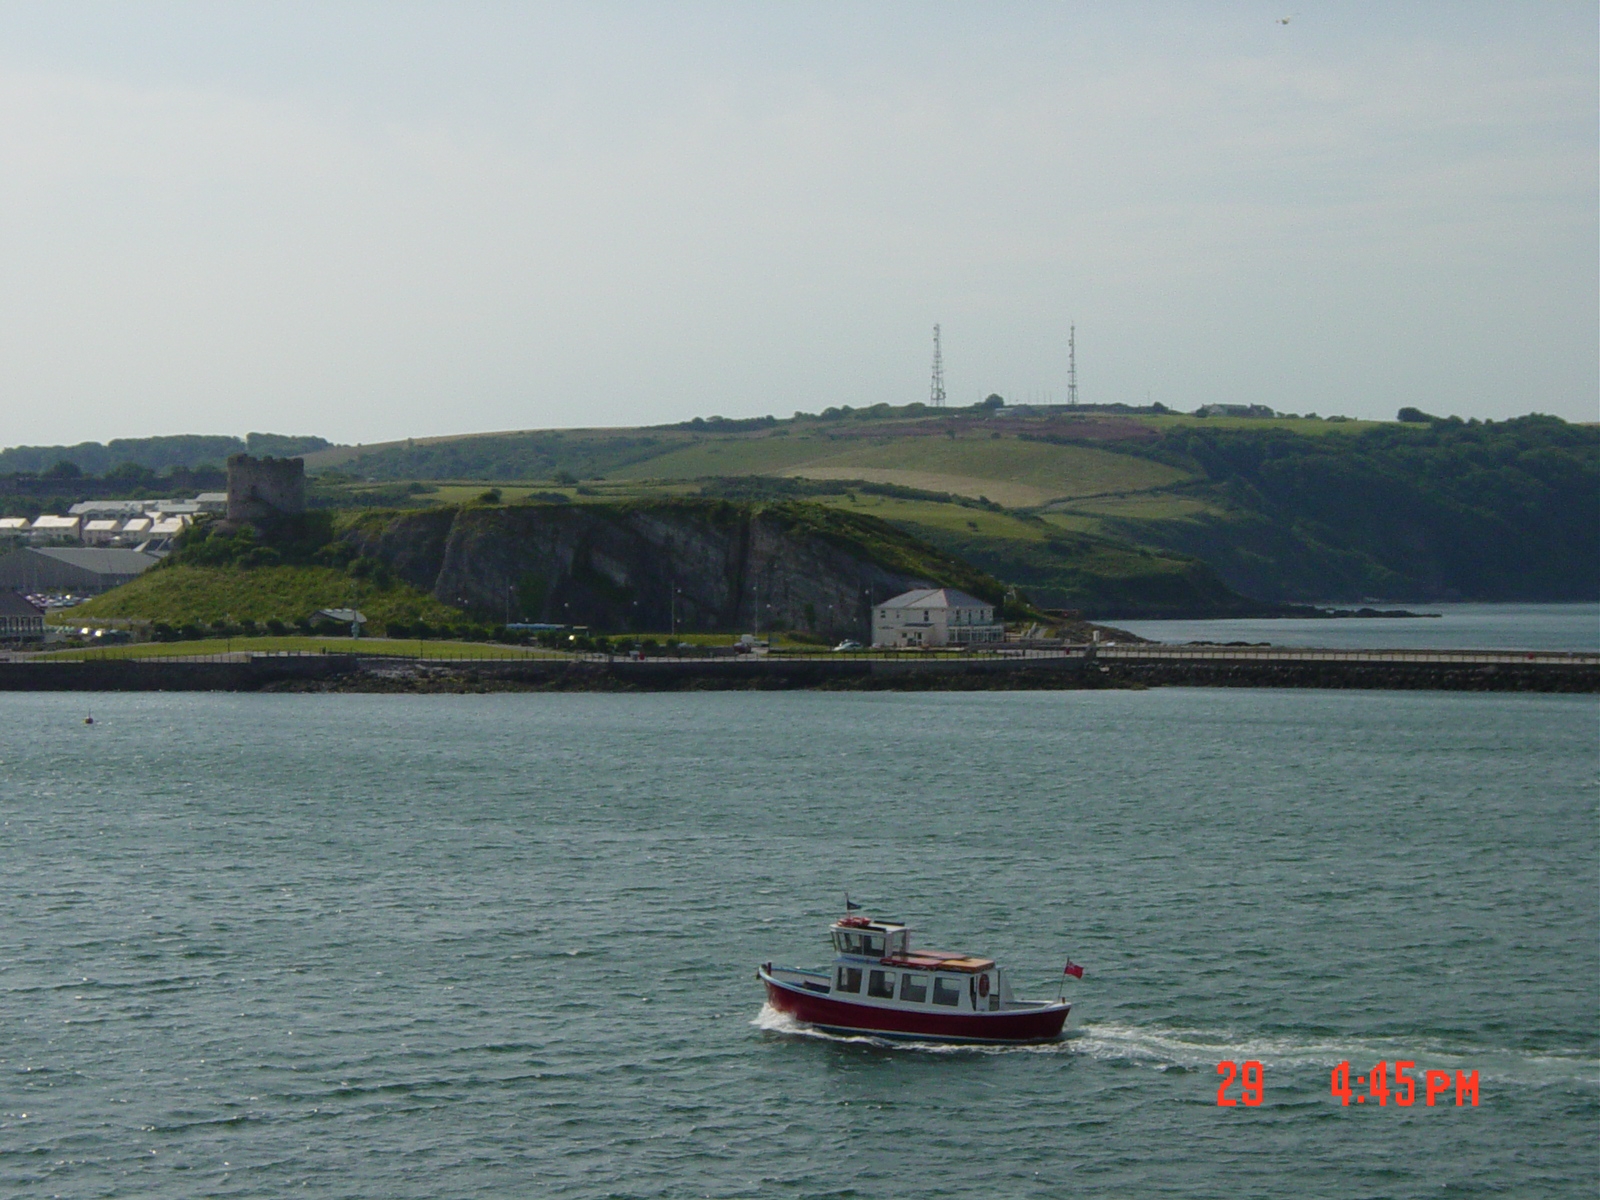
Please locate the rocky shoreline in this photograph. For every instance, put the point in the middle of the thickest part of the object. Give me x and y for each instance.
(352, 674)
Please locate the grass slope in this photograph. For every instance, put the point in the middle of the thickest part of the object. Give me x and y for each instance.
(206, 647)
(1432, 509)
(179, 594)
(1056, 566)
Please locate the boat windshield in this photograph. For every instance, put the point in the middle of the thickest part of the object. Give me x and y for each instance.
(850, 942)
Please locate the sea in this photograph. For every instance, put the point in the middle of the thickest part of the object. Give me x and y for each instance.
(505, 945)
(1568, 627)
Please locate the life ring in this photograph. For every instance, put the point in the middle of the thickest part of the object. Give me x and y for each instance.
(983, 985)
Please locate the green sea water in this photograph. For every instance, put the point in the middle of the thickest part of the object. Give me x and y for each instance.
(486, 946)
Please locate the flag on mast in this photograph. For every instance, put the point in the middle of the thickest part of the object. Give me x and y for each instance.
(850, 905)
(1073, 969)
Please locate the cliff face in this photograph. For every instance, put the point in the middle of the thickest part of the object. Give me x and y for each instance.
(630, 567)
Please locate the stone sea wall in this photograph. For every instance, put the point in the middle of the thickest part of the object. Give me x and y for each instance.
(349, 673)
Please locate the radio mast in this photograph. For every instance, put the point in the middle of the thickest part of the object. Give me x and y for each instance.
(1072, 366)
(936, 391)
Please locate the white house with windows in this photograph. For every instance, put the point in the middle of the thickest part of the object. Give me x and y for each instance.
(935, 617)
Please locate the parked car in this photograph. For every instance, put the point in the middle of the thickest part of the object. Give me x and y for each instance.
(847, 644)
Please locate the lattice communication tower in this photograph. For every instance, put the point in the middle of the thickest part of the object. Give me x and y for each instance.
(936, 390)
(1072, 366)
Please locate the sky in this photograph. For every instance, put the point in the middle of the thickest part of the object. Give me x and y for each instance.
(379, 220)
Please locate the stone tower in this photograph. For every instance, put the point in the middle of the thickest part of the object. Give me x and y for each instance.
(260, 489)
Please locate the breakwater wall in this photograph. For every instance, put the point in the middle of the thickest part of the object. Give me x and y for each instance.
(241, 674)
(1147, 668)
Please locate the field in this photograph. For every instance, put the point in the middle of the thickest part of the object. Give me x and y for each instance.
(995, 465)
(1052, 452)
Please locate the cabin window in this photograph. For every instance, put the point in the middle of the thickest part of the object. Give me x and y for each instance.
(897, 943)
(849, 979)
(881, 984)
(872, 945)
(850, 943)
(913, 987)
(947, 991)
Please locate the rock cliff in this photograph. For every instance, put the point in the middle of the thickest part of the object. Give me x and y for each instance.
(650, 565)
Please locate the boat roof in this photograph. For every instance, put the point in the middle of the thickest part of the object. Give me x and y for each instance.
(919, 959)
(869, 924)
(940, 960)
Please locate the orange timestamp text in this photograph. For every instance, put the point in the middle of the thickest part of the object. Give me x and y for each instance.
(1251, 1076)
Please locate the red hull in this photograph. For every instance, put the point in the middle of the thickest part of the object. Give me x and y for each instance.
(1032, 1025)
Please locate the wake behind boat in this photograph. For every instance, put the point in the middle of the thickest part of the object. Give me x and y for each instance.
(880, 986)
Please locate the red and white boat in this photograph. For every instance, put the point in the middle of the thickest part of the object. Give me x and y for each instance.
(881, 987)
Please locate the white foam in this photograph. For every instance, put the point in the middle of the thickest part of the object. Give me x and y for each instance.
(771, 1020)
(1202, 1048)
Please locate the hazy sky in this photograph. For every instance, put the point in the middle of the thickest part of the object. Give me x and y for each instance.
(375, 220)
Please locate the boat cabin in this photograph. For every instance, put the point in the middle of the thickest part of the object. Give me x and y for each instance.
(875, 962)
(861, 937)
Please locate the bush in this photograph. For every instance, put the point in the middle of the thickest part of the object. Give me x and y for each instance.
(276, 627)
(397, 629)
(260, 556)
(373, 569)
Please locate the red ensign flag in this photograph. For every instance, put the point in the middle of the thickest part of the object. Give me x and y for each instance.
(1073, 969)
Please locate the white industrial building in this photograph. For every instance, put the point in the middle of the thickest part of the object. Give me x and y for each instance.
(106, 508)
(102, 523)
(48, 526)
(935, 617)
(100, 531)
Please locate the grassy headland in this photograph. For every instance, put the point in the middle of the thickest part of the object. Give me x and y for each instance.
(1288, 509)
(1117, 513)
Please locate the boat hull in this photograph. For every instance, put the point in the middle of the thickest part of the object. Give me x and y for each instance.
(1041, 1024)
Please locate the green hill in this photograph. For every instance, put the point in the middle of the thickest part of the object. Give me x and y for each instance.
(1118, 513)
(1116, 506)
(1426, 510)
